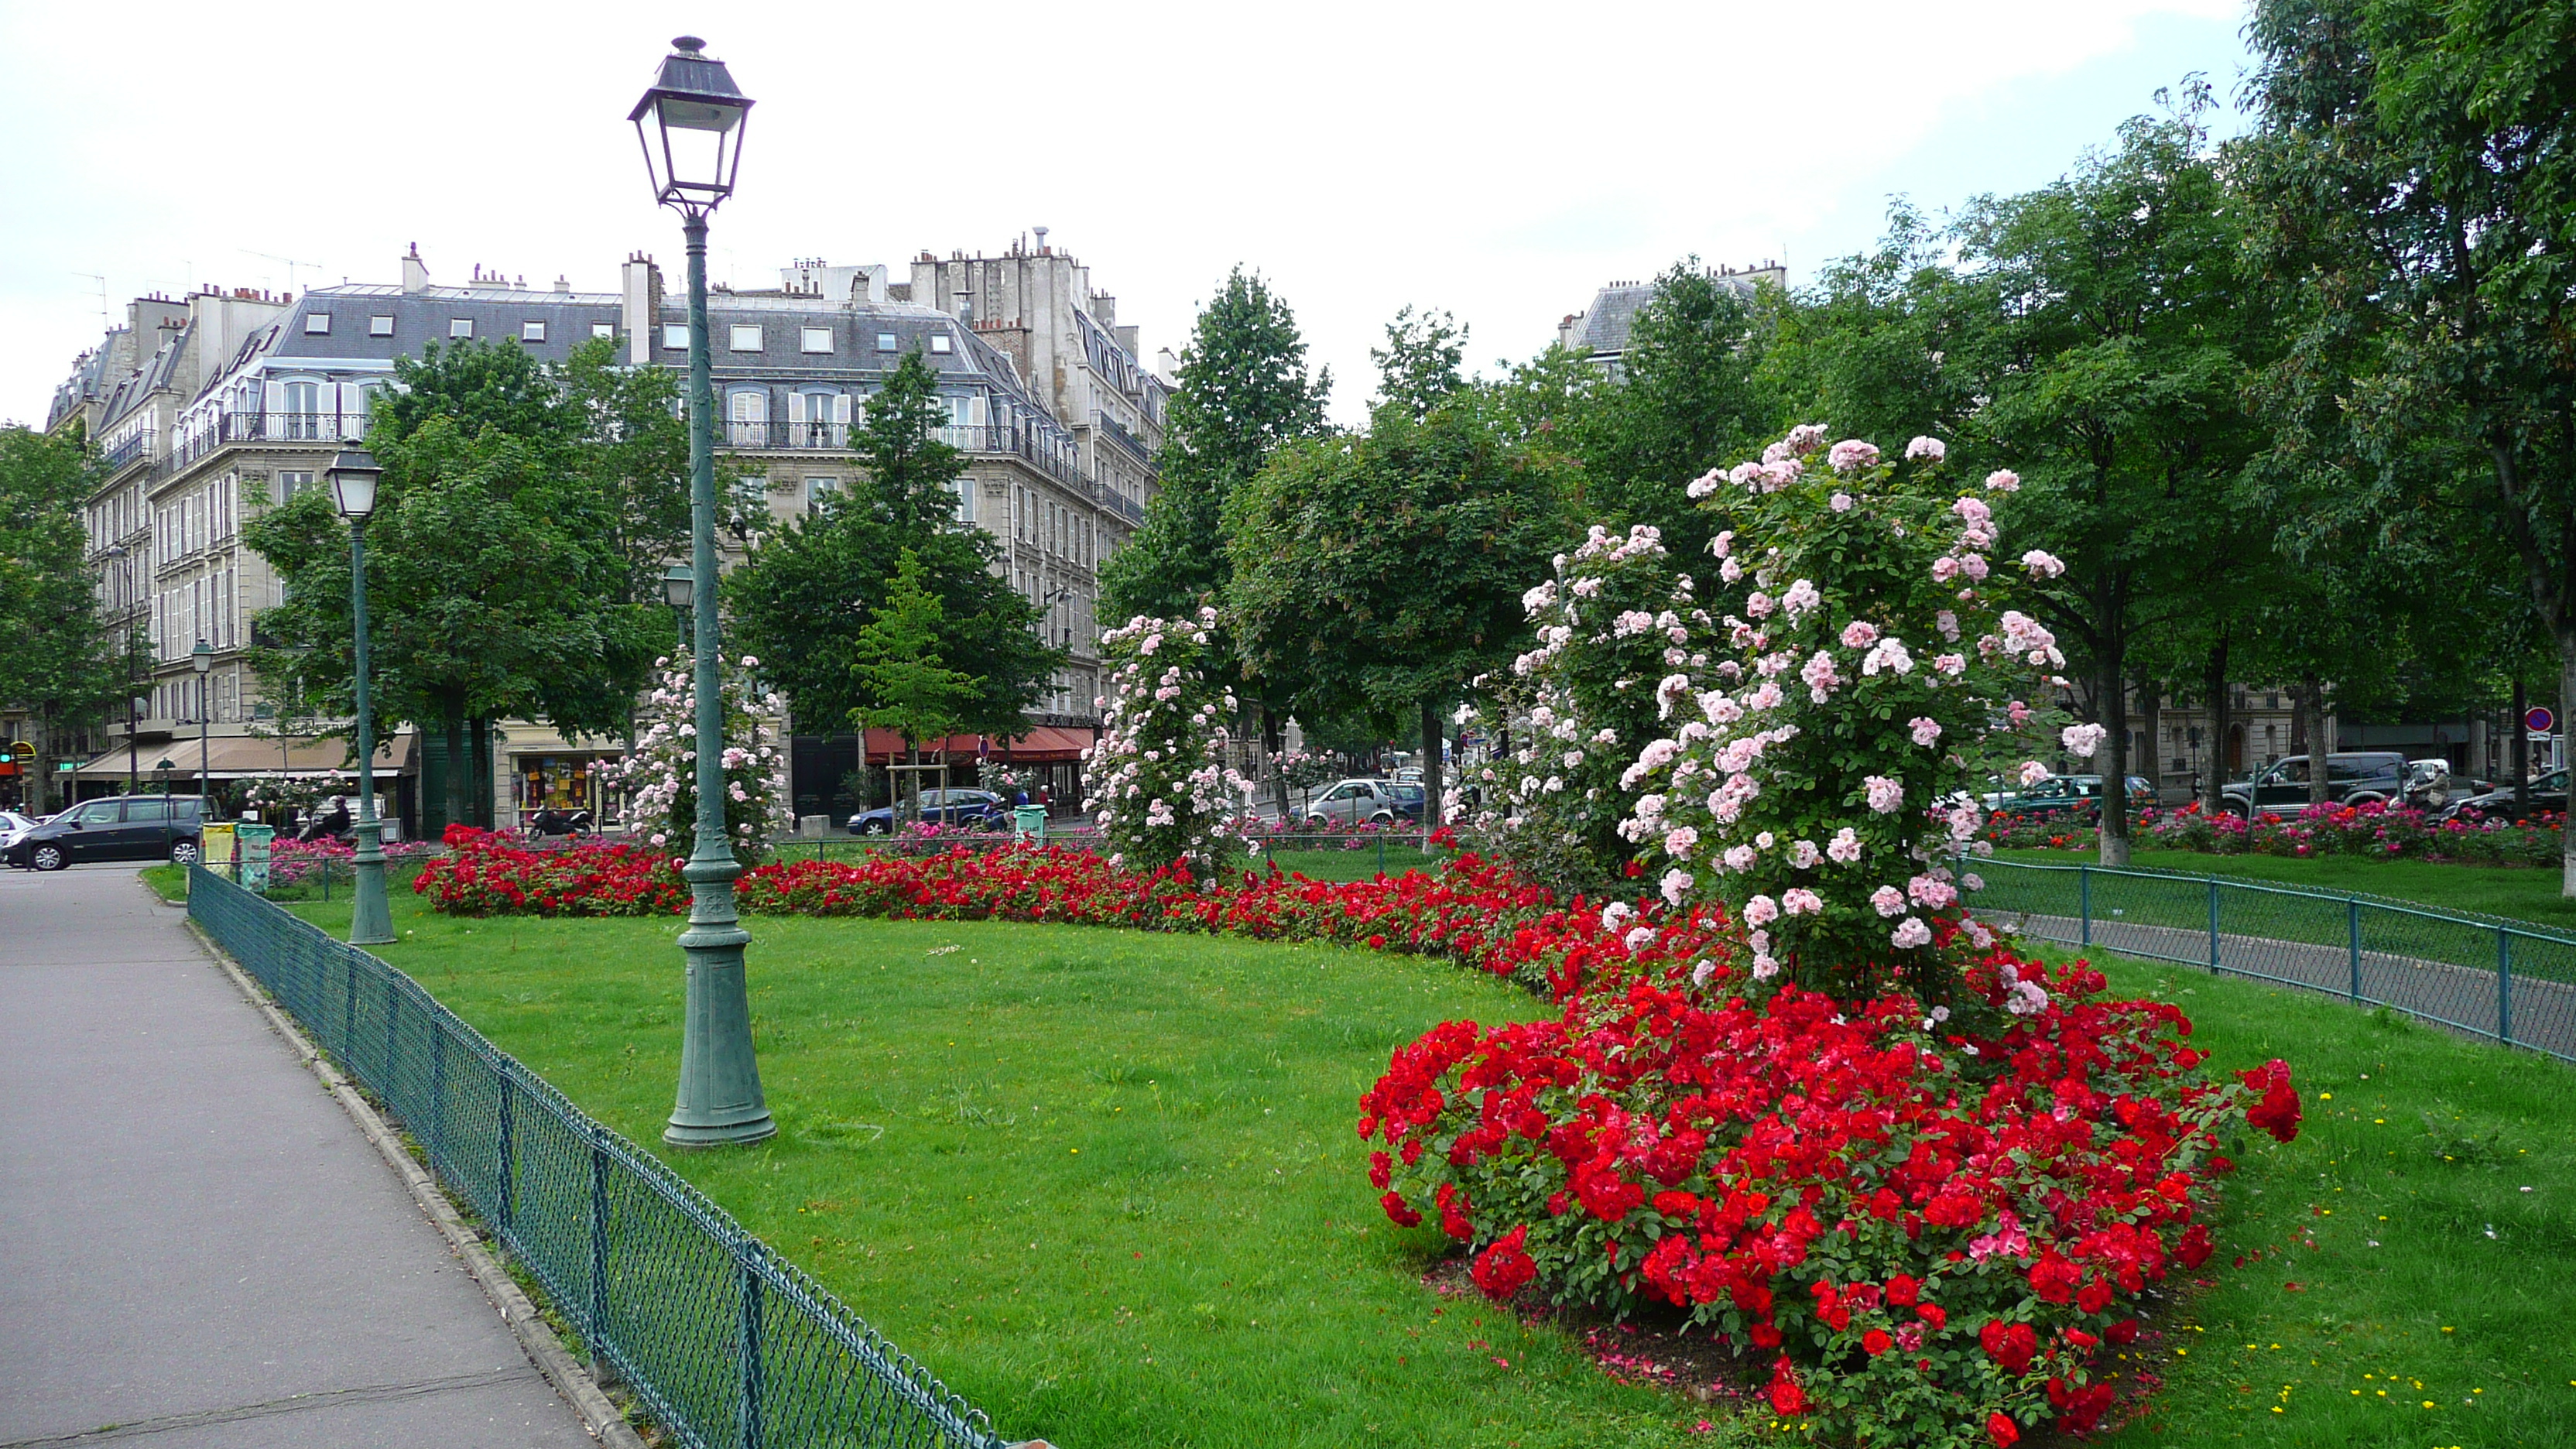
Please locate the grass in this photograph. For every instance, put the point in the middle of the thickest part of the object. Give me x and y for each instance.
(2518, 894)
(1104, 1183)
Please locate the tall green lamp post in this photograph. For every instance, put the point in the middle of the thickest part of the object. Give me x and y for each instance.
(353, 477)
(690, 123)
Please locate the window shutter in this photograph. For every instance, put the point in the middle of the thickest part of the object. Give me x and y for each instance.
(841, 409)
(796, 407)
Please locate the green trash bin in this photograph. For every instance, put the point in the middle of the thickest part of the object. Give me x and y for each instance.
(253, 839)
(1028, 822)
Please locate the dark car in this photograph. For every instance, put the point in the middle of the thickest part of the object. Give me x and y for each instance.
(2361, 777)
(2548, 793)
(2079, 796)
(973, 808)
(125, 827)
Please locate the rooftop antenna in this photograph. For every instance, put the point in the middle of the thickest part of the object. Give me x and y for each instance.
(289, 263)
(103, 323)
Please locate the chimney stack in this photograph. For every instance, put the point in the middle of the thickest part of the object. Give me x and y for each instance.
(415, 272)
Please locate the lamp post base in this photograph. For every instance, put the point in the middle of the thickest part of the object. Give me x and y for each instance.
(720, 1103)
(371, 920)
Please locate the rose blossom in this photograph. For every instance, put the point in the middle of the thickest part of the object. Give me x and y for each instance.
(1885, 795)
(2042, 564)
(1841, 502)
(1761, 911)
(1910, 933)
(2083, 739)
(1930, 448)
(1845, 846)
(1851, 454)
(2003, 480)
(1926, 730)
(1888, 901)
(1804, 855)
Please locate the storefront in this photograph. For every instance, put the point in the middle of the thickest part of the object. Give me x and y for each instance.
(567, 781)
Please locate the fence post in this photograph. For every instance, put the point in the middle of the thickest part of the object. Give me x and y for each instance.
(598, 1334)
(2504, 987)
(2084, 901)
(349, 1012)
(2213, 928)
(503, 1209)
(2352, 929)
(390, 1089)
(437, 1096)
(752, 1435)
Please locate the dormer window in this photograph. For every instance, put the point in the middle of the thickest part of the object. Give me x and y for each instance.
(380, 326)
(746, 337)
(532, 332)
(815, 340)
(603, 329)
(460, 327)
(675, 335)
(939, 342)
(317, 324)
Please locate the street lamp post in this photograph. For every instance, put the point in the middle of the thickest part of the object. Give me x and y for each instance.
(690, 123)
(202, 659)
(353, 477)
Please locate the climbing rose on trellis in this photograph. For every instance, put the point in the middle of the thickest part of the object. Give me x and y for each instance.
(661, 773)
(1159, 784)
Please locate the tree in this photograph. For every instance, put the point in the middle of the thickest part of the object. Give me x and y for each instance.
(1684, 402)
(898, 667)
(2116, 356)
(56, 661)
(807, 592)
(1244, 392)
(1377, 574)
(496, 584)
(2411, 169)
(1418, 368)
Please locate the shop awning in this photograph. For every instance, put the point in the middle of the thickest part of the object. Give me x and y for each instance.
(1043, 744)
(237, 757)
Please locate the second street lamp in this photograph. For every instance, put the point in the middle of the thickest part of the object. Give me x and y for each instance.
(353, 477)
(202, 659)
(691, 123)
(679, 590)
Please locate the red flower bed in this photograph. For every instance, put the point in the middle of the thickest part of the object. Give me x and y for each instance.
(1927, 1234)
(1471, 910)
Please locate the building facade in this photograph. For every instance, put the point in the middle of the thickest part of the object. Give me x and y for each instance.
(210, 408)
(1601, 331)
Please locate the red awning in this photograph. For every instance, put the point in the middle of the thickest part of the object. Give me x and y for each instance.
(1043, 744)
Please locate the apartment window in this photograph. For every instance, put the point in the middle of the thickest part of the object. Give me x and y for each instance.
(675, 335)
(815, 339)
(603, 329)
(532, 332)
(746, 337)
(818, 489)
(885, 342)
(289, 484)
(317, 324)
(460, 326)
(380, 326)
(939, 342)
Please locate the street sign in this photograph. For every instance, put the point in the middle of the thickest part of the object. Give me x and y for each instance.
(22, 750)
(2539, 720)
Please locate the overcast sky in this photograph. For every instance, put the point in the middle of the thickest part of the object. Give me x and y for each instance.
(1498, 160)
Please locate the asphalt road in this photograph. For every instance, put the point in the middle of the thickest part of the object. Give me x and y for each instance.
(197, 1246)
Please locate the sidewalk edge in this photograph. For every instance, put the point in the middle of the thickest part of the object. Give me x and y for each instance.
(598, 1416)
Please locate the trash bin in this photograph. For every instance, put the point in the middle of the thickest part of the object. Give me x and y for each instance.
(215, 848)
(1028, 822)
(254, 852)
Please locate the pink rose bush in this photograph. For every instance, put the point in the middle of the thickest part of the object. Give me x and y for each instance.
(1161, 790)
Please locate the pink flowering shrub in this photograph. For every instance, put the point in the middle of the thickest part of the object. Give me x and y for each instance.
(1810, 766)
(661, 772)
(1161, 790)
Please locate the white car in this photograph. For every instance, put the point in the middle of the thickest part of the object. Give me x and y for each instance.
(1382, 802)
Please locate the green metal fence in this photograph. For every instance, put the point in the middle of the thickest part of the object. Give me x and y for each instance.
(727, 1345)
(2493, 978)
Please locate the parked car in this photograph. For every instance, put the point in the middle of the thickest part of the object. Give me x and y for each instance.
(124, 827)
(941, 807)
(2360, 777)
(12, 825)
(2548, 793)
(1382, 802)
(2079, 796)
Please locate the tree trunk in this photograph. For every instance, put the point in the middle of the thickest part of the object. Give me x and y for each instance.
(2566, 692)
(1431, 772)
(2150, 723)
(2112, 759)
(2521, 753)
(2222, 709)
(458, 760)
(2312, 697)
(1273, 747)
(912, 780)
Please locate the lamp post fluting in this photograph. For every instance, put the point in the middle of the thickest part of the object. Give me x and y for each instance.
(353, 492)
(690, 123)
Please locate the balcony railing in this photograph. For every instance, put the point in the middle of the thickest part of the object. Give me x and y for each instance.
(1126, 439)
(786, 435)
(129, 450)
(266, 427)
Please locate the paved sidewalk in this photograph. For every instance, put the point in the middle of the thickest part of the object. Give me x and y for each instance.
(196, 1243)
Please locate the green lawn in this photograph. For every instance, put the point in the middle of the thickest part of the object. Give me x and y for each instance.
(2516, 894)
(1105, 1184)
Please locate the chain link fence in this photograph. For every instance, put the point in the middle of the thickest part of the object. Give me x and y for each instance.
(2493, 978)
(727, 1345)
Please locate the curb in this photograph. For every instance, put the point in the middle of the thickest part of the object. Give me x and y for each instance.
(599, 1417)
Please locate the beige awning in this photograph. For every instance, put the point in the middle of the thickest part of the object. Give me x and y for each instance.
(235, 757)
